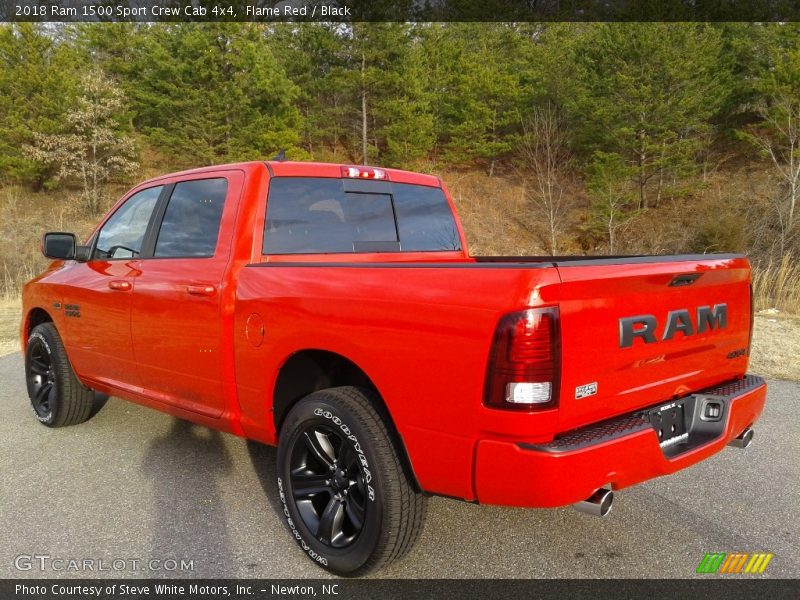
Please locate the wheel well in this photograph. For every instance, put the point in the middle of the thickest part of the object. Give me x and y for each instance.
(37, 316)
(313, 370)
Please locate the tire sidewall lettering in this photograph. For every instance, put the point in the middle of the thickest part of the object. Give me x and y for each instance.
(343, 422)
(51, 415)
(314, 555)
(327, 414)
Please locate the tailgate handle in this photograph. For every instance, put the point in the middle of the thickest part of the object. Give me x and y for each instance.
(119, 285)
(200, 290)
(686, 279)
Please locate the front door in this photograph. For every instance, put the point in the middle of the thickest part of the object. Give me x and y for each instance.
(97, 304)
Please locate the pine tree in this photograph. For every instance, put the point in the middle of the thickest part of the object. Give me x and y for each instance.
(647, 91)
(404, 115)
(383, 99)
(313, 55)
(38, 80)
(477, 88)
(213, 92)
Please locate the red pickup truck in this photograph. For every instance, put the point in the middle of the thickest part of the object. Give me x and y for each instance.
(335, 312)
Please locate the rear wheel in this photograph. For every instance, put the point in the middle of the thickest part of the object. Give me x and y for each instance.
(346, 497)
(57, 397)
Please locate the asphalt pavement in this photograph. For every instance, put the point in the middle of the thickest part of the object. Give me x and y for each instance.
(134, 485)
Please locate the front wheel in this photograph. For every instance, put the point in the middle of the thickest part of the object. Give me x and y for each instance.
(346, 497)
(57, 397)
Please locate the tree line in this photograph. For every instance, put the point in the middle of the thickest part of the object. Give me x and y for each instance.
(634, 116)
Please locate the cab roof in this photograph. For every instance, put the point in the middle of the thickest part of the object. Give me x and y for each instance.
(286, 168)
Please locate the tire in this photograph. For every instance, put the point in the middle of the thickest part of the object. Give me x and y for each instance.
(57, 397)
(339, 466)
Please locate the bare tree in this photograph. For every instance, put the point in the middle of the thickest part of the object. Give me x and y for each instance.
(93, 149)
(778, 137)
(547, 161)
(608, 187)
(610, 212)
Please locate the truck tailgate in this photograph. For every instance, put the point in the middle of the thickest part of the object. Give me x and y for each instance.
(636, 332)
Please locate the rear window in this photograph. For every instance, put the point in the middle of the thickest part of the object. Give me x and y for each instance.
(321, 215)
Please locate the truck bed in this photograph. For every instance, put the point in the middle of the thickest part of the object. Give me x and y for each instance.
(423, 330)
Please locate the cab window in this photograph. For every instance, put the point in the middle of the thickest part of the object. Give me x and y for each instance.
(190, 227)
(122, 235)
(319, 215)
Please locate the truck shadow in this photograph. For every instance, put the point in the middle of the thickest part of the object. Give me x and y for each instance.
(98, 402)
(186, 466)
(263, 458)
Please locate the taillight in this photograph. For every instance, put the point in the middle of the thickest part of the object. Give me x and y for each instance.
(523, 370)
(364, 173)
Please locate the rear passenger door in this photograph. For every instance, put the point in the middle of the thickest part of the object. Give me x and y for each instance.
(178, 310)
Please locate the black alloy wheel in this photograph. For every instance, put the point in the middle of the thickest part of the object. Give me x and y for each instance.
(328, 485)
(56, 395)
(347, 497)
(41, 378)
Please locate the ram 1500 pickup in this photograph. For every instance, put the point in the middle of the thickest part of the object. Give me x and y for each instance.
(335, 312)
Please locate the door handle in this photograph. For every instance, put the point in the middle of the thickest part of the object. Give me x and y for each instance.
(201, 290)
(119, 285)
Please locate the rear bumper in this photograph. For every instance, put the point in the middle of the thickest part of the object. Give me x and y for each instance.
(619, 452)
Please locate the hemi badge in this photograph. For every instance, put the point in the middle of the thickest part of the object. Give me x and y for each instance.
(584, 391)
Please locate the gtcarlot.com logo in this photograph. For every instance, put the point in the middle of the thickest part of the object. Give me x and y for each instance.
(45, 562)
(735, 563)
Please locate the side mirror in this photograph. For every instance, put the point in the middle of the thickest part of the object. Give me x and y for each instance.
(59, 245)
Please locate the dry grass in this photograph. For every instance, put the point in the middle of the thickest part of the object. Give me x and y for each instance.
(10, 314)
(25, 216)
(776, 347)
(777, 285)
(493, 211)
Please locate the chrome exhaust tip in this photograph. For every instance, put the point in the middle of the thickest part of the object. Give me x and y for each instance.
(598, 504)
(743, 440)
